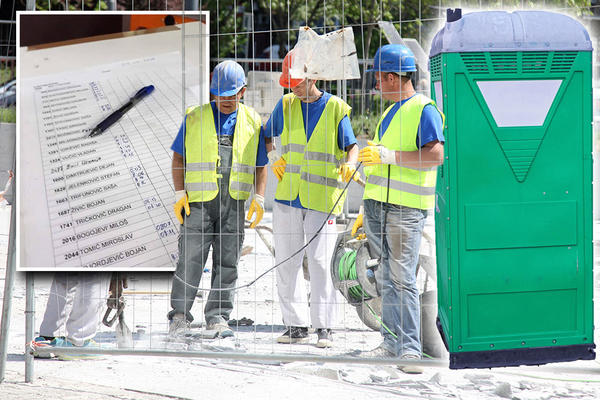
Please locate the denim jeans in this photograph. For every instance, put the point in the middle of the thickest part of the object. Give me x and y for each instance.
(218, 223)
(396, 274)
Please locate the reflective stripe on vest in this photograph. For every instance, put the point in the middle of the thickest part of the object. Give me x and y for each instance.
(247, 169)
(201, 153)
(311, 170)
(408, 186)
(199, 166)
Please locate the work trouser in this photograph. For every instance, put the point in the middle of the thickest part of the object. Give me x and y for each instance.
(292, 228)
(396, 275)
(74, 305)
(218, 223)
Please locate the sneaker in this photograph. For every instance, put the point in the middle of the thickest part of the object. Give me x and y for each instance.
(294, 334)
(221, 327)
(411, 368)
(178, 325)
(90, 343)
(38, 343)
(378, 352)
(325, 338)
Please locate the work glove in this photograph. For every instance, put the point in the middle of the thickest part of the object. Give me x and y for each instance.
(358, 223)
(257, 206)
(181, 202)
(278, 164)
(375, 154)
(346, 171)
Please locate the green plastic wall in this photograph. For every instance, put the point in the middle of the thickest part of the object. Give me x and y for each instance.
(514, 207)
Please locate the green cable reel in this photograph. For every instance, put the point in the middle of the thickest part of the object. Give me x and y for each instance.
(350, 271)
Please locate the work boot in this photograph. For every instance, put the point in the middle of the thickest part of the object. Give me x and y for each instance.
(178, 325)
(294, 334)
(325, 339)
(411, 368)
(222, 328)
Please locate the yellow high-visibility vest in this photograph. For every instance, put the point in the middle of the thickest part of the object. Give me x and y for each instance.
(202, 154)
(311, 169)
(410, 187)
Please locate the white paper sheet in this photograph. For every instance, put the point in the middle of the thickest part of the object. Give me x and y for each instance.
(103, 202)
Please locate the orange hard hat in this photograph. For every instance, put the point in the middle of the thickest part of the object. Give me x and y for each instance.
(285, 79)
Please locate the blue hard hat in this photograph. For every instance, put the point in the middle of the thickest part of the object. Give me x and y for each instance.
(228, 78)
(394, 58)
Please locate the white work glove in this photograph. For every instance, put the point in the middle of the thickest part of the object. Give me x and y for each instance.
(273, 156)
(375, 154)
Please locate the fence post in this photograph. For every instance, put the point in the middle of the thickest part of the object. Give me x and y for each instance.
(29, 320)
(9, 281)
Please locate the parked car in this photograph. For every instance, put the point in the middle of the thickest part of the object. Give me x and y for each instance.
(8, 94)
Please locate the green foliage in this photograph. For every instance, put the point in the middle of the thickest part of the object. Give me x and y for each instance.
(229, 37)
(63, 5)
(8, 114)
(226, 27)
(364, 126)
(6, 74)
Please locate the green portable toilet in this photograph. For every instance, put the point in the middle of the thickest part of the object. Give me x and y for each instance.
(514, 195)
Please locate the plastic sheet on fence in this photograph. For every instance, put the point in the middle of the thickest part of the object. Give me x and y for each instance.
(330, 56)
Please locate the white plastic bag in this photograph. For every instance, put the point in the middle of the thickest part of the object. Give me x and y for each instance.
(331, 56)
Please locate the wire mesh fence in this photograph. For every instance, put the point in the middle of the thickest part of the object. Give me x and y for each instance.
(251, 320)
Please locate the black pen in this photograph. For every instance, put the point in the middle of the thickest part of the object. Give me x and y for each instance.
(115, 116)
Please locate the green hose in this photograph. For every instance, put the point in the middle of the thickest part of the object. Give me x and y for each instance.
(347, 271)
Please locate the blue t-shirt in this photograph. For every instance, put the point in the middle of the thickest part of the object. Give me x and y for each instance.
(311, 113)
(430, 125)
(225, 125)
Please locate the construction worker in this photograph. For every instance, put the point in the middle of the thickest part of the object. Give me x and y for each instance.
(318, 155)
(400, 169)
(220, 153)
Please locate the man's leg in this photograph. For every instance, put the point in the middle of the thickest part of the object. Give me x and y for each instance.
(88, 301)
(373, 224)
(288, 237)
(323, 299)
(229, 238)
(195, 239)
(55, 314)
(401, 308)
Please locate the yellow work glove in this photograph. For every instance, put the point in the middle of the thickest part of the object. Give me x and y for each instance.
(375, 154)
(257, 206)
(181, 202)
(346, 171)
(358, 223)
(278, 164)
